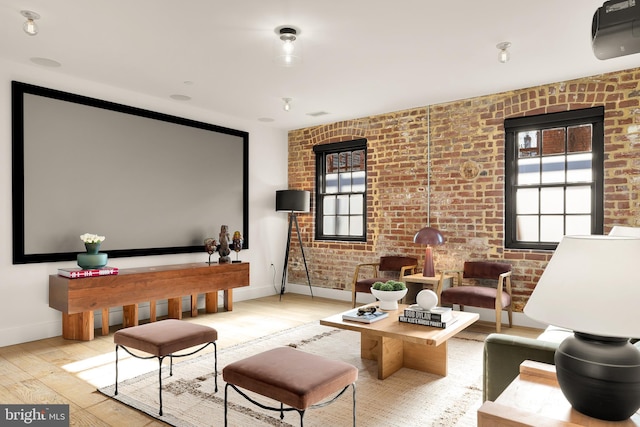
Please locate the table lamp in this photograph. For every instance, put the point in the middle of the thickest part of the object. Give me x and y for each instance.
(591, 286)
(428, 236)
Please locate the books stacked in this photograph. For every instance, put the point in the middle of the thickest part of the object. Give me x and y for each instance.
(358, 315)
(437, 317)
(77, 273)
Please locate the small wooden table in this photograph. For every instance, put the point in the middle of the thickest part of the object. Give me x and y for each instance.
(396, 345)
(534, 399)
(418, 279)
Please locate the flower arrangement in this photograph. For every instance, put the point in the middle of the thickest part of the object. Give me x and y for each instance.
(91, 238)
(390, 285)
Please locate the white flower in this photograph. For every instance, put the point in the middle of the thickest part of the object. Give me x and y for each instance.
(91, 238)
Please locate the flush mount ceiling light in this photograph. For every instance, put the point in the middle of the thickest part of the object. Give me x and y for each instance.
(287, 104)
(504, 55)
(288, 52)
(30, 26)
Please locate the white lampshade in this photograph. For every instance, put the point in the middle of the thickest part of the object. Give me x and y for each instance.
(590, 286)
(623, 230)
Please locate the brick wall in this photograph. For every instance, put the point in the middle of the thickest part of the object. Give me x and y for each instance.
(465, 142)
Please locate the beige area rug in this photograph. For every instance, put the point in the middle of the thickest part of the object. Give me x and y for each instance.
(406, 398)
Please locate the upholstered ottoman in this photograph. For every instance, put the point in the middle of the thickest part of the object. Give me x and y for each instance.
(291, 377)
(162, 339)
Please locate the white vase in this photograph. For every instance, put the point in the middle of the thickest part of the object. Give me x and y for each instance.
(388, 299)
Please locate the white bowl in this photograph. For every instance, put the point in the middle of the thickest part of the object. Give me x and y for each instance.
(388, 299)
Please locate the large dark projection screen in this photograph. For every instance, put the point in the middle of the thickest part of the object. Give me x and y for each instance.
(151, 183)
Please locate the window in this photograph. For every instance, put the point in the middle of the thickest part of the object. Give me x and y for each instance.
(341, 189)
(554, 177)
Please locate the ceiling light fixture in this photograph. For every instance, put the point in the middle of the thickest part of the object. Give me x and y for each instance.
(504, 54)
(288, 50)
(30, 26)
(287, 105)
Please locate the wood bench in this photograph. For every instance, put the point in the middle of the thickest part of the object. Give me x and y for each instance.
(162, 339)
(291, 377)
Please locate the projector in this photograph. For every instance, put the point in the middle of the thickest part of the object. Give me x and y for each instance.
(615, 30)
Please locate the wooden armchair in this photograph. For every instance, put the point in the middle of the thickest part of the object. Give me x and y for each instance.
(480, 293)
(401, 264)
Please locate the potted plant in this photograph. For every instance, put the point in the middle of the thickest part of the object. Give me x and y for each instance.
(389, 293)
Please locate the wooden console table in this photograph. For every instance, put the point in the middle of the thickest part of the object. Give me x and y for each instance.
(534, 399)
(78, 298)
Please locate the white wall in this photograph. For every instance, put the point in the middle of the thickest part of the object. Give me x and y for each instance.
(25, 314)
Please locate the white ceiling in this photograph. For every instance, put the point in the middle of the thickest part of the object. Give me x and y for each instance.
(360, 57)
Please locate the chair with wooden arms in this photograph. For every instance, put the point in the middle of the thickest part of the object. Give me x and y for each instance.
(491, 288)
(402, 265)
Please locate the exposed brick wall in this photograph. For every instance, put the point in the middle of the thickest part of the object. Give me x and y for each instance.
(467, 177)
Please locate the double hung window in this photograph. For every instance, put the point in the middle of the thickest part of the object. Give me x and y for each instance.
(341, 189)
(554, 177)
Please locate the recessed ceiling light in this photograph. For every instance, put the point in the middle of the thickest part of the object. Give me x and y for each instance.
(179, 97)
(45, 62)
(265, 119)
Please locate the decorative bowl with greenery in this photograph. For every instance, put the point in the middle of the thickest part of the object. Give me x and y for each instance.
(389, 293)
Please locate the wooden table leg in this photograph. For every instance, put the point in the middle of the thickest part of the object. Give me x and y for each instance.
(393, 354)
(78, 326)
(211, 302)
(426, 358)
(130, 315)
(174, 308)
(105, 321)
(228, 299)
(194, 305)
(153, 312)
(388, 352)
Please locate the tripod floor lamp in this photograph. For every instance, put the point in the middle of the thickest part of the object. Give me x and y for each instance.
(293, 201)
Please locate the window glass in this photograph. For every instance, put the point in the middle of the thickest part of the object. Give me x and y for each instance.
(579, 200)
(529, 171)
(579, 140)
(553, 141)
(527, 200)
(553, 169)
(527, 228)
(579, 168)
(552, 200)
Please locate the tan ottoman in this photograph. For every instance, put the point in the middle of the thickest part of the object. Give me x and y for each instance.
(162, 339)
(291, 377)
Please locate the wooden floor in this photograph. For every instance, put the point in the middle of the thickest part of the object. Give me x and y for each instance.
(60, 371)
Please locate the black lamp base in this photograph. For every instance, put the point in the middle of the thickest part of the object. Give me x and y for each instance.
(599, 376)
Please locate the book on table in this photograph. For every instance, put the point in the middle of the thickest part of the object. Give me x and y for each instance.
(438, 314)
(77, 273)
(358, 315)
(425, 322)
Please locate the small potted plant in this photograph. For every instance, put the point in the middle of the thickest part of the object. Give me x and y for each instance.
(389, 293)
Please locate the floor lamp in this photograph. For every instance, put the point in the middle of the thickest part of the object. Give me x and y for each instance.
(293, 201)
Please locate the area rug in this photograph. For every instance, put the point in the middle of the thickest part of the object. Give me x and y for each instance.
(406, 398)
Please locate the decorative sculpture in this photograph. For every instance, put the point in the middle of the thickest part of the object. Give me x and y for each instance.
(237, 244)
(224, 250)
(210, 245)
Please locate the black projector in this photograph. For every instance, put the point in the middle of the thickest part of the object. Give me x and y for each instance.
(615, 30)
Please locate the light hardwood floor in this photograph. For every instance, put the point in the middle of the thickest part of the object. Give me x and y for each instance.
(55, 370)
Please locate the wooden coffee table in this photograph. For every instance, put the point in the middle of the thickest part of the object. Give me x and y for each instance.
(398, 345)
